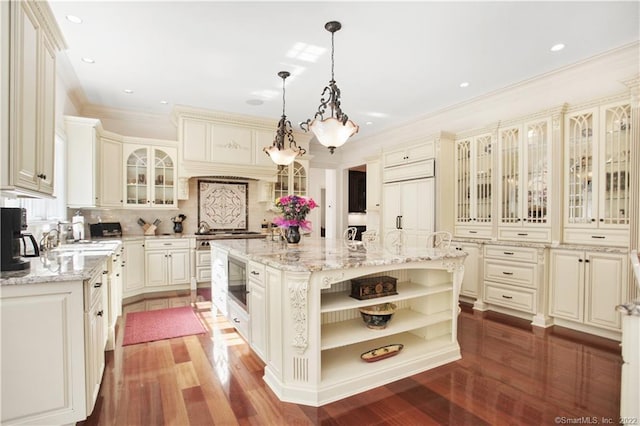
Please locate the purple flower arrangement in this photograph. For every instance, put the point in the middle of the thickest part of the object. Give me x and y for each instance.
(294, 211)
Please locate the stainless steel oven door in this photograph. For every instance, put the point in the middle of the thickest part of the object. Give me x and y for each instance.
(237, 280)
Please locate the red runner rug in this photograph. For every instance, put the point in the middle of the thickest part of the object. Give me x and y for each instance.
(148, 326)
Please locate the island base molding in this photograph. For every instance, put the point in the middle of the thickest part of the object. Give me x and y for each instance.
(378, 375)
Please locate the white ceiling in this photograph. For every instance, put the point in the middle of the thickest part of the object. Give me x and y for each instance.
(394, 61)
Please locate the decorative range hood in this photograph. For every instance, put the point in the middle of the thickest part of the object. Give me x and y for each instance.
(215, 143)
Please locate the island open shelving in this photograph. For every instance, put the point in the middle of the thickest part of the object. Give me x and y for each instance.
(315, 332)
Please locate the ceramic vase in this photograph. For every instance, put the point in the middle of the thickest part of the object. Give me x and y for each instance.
(293, 235)
(177, 227)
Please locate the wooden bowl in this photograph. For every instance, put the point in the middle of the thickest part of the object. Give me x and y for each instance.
(378, 316)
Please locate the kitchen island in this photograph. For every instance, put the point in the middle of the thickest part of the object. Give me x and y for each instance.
(307, 329)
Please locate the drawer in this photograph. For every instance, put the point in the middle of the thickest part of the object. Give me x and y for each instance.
(164, 244)
(256, 273)
(203, 257)
(239, 318)
(522, 274)
(520, 254)
(471, 231)
(93, 289)
(616, 238)
(534, 235)
(203, 274)
(519, 299)
(417, 170)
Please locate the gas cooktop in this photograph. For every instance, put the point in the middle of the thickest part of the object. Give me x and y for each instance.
(228, 233)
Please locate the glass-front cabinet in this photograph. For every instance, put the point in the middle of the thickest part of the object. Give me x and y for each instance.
(291, 180)
(150, 176)
(474, 171)
(597, 155)
(524, 170)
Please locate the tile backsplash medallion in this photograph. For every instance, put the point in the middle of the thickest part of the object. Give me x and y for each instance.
(128, 218)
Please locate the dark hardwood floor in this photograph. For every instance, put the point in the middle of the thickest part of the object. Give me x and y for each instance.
(508, 375)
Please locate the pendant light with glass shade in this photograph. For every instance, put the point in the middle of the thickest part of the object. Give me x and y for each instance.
(334, 130)
(279, 154)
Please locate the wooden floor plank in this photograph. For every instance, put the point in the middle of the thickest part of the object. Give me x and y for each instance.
(509, 374)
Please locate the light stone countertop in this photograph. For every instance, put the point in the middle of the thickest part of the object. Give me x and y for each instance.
(603, 249)
(313, 255)
(71, 262)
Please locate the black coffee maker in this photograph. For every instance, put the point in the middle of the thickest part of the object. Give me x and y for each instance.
(13, 221)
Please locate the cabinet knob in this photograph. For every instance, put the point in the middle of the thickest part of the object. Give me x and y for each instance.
(601, 220)
(580, 260)
(586, 261)
(97, 285)
(593, 220)
(100, 313)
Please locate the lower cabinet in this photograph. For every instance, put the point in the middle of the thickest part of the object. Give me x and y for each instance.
(258, 309)
(52, 352)
(219, 280)
(167, 262)
(133, 264)
(514, 281)
(586, 287)
(95, 335)
(471, 281)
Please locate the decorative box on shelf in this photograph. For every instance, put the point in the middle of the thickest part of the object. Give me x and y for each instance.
(372, 287)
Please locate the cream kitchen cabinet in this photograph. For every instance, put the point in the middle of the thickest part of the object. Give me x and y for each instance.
(586, 287)
(257, 308)
(134, 269)
(596, 174)
(514, 281)
(409, 206)
(31, 40)
(114, 291)
(167, 262)
(292, 179)
(95, 318)
(474, 168)
(410, 154)
(525, 180)
(150, 176)
(471, 285)
(43, 359)
(110, 173)
(94, 156)
(219, 279)
(216, 143)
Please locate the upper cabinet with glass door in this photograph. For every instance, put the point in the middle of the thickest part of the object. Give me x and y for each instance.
(474, 171)
(291, 180)
(597, 154)
(150, 176)
(524, 170)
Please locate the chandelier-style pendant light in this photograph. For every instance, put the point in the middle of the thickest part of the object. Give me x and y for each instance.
(277, 152)
(334, 130)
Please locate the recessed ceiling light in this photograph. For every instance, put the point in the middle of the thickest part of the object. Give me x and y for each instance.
(164, 102)
(464, 84)
(88, 60)
(74, 19)
(557, 47)
(368, 123)
(255, 102)
(128, 91)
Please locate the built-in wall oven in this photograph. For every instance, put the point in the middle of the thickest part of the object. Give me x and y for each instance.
(237, 280)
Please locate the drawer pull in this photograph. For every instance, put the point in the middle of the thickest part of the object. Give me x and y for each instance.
(522, 234)
(255, 273)
(510, 253)
(236, 320)
(168, 244)
(473, 232)
(600, 237)
(97, 285)
(507, 297)
(507, 273)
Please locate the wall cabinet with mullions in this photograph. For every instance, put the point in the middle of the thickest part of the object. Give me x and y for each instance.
(150, 176)
(525, 176)
(291, 180)
(474, 194)
(597, 155)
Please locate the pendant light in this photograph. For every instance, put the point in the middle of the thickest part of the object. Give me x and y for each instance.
(277, 152)
(334, 130)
